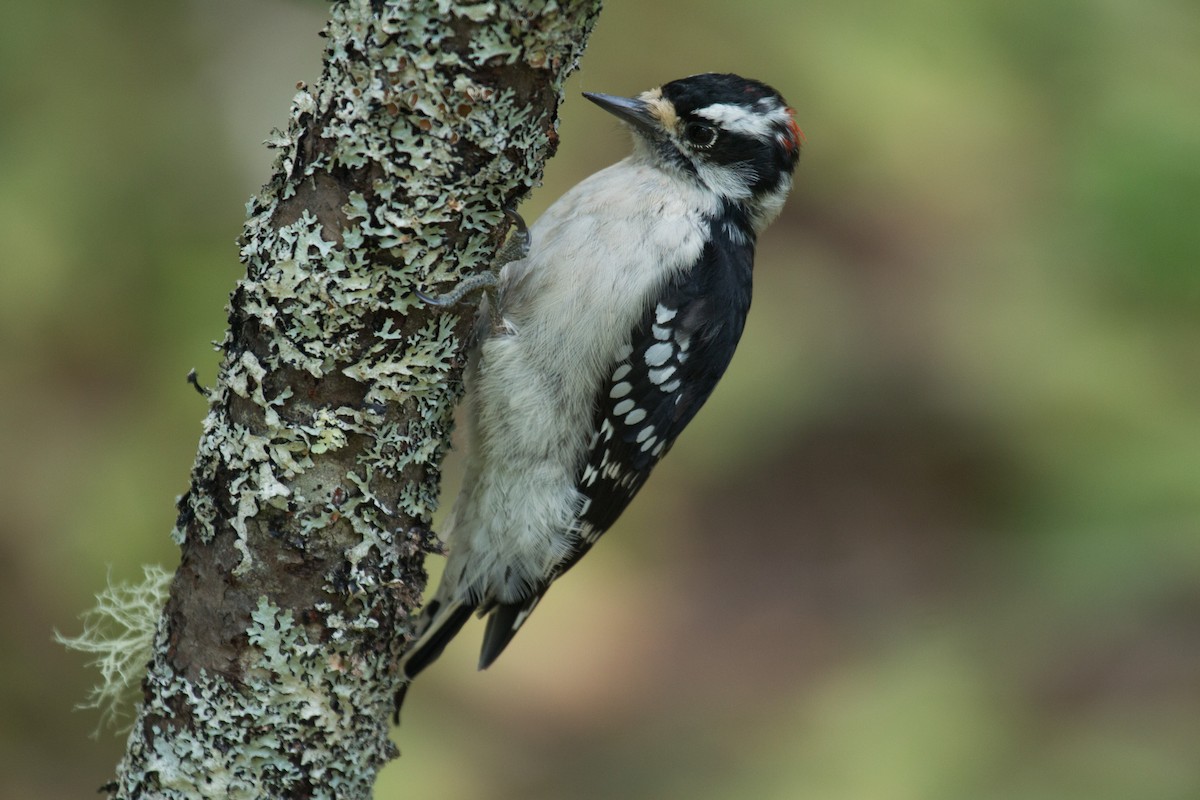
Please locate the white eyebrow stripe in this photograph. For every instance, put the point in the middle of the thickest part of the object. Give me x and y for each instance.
(739, 119)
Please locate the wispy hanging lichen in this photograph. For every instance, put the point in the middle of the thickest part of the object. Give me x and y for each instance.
(119, 633)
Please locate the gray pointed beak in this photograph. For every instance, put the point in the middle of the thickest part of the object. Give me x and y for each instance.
(629, 109)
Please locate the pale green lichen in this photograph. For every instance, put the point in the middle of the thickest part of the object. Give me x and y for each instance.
(284, 700)
(119, 632)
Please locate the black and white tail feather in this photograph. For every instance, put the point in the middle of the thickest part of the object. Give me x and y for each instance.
(605, 339)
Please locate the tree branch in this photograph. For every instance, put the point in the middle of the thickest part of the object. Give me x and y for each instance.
(306, 525)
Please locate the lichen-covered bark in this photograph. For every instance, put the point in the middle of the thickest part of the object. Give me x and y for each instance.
(306, 524)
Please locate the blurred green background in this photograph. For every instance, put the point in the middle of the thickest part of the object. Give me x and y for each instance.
(937, 535)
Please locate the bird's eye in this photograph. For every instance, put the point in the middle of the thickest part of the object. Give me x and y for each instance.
(700, 134)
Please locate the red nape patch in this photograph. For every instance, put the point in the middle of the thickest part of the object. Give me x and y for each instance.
(797, 139)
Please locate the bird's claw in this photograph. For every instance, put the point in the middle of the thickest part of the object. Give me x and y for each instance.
(514, 249)
(483, 280)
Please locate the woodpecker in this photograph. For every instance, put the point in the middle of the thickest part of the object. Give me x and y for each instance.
(602, 340)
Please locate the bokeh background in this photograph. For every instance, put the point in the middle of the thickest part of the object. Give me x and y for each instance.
(937, 535)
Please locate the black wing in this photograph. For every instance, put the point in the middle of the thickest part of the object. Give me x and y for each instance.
(677, 353)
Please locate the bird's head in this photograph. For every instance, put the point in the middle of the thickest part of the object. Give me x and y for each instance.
(737, 137)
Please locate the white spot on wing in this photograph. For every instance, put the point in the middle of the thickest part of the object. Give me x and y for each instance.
(645, 433)
(661, 376)
(658, 354)
(620, 390)
(635, 416)
(663, 315)
(624, 407)
(621, 371)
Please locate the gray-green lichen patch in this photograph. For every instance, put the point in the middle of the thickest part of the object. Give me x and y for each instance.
(296, 719)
